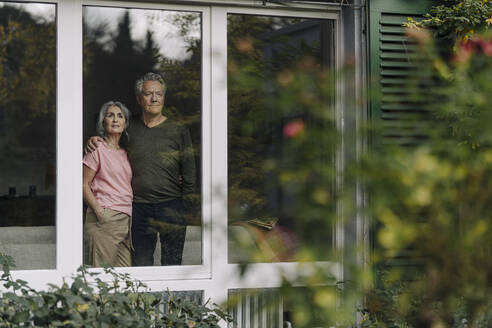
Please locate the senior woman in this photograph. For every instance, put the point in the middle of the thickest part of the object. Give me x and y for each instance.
(107, 191)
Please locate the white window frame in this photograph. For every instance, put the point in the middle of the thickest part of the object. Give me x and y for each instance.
(215, 276)
(258, 275)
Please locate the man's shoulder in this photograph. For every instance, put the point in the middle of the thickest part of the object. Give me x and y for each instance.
(173, 125)
(135, 123)
(135, 119)
(170, 125)
(177, 124)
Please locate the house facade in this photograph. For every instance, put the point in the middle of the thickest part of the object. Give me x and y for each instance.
(61, 60)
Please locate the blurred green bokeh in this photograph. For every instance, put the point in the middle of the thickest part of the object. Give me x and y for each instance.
(429, 204)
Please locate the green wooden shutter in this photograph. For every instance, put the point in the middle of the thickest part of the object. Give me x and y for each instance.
(398, 117)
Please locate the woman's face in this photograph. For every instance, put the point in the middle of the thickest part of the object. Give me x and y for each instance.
(114, 121)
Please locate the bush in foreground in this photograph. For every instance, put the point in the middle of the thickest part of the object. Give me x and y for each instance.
(89, 301)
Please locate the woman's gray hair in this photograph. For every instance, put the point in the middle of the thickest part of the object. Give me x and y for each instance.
(102, 114)
(149, 77)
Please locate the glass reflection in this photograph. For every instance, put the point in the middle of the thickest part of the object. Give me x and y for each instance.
(28, 134)
(122, 46)
(277, 103)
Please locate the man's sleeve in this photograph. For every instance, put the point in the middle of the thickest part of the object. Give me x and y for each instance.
(188, 168)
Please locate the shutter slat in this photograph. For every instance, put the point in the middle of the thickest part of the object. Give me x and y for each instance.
(389, 19)
(400, 55)
(397, 81)
(398, 64)
(403, 73)
(398, 47)
(396, 38)
(396, 19)
(405, 107)
(393, 89)
(403, 99)
(389, 117)
(390, 81)
(390, 29)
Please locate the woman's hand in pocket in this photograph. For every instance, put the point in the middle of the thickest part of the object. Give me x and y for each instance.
(100, 214)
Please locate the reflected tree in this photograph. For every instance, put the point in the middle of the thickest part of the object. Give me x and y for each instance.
(27, 118)
(112, 63)
(110, 71)
(27, 83)
(267, 126)
(111, 67)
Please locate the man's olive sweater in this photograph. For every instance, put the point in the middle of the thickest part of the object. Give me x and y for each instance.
(162, 161)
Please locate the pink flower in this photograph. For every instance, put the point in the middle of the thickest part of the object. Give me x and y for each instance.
(469, 47)
(487, 47)
(464, 52)
(293, 128)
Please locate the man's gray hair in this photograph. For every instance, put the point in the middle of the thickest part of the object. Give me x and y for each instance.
(102, 114)
(149, 77)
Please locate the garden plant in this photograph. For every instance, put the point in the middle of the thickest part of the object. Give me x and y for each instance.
(428, 204)
(87, 299)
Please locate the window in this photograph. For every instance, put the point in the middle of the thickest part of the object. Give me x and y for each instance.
(28, 134)
(95, 50)
(265, 210)
(167, 43)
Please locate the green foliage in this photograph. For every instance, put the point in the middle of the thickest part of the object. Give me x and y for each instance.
(89, 300)
(391, 306)
(266, 97)
(437, 215)
(457, 20)
(429, 202)
(436, 218)
(283, 142)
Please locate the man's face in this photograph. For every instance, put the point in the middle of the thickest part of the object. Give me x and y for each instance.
(152, 98)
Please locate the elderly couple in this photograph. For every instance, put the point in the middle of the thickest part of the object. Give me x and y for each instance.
(134, 186)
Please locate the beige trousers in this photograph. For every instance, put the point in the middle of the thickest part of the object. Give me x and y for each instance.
(108, 241)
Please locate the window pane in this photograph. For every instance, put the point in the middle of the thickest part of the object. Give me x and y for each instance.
(161, 152)
(195, 296)
(259, 308)
(277, 103)
(281, 307)
(28, 134)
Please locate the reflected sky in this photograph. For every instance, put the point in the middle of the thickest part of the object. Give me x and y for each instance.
(40, 11)
(160, 22)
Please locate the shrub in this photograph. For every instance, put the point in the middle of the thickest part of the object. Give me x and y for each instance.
(86, 300)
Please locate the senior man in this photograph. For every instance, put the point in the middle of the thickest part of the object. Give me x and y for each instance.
(164, 173)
